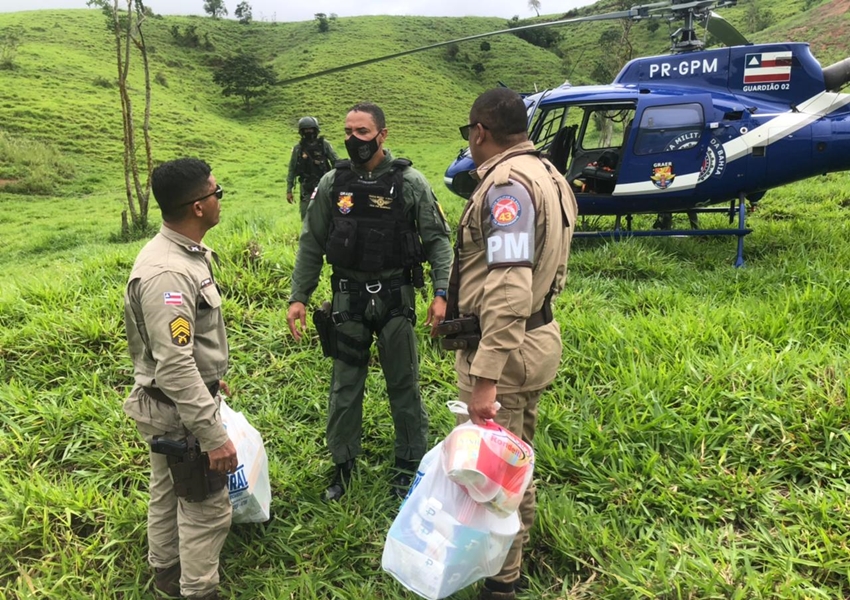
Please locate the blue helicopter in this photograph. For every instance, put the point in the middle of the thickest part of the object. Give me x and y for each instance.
(685, 131)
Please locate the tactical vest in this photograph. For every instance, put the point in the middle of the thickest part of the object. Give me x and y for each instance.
(312, 162)
(369, 231)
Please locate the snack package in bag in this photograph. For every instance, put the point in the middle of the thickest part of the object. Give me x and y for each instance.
(250, 490)
(442, 540)
(492, 464)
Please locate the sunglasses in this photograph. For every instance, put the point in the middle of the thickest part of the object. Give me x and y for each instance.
(217, 192)
(464, 131)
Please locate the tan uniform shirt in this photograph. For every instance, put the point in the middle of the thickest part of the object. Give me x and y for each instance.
(515, 241)
(175, 334)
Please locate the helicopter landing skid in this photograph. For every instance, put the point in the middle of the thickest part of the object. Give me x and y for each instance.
(619, 233)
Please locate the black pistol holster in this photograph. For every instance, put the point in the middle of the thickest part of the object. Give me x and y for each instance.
(326, 329)
(462, 333)
(193, 479)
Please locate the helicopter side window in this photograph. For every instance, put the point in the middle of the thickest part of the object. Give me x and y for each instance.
(546, 126)
(669, 128)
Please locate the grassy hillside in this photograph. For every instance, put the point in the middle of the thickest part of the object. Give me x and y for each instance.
(694, 444)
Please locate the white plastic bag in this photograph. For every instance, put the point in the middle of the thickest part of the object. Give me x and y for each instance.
(492, 464)
(442, 540)
(250, 490)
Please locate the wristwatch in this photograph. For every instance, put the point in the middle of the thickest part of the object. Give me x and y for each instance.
(440, 293)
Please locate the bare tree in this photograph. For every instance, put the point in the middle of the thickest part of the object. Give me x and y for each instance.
(535, 6)
(127, 31)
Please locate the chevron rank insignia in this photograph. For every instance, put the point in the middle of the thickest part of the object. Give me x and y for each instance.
(181, 331)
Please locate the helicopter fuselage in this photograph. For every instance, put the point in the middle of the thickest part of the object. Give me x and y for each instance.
(677, 132)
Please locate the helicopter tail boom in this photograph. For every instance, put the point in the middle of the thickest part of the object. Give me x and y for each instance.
(837, 75)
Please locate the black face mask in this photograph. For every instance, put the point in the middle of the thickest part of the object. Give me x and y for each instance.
(308, 136)
(361, 151)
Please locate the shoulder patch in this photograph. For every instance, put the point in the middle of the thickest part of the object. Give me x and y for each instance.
(173, 298)
(505, 211)
(181, 331)
(510, 226)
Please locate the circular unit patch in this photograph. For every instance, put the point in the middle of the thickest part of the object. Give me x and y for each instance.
(505, 211)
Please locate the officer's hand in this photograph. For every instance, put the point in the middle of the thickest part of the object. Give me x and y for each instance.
(436, 314)
(289, 197)
(222, 385)
(297, 312)
(482, 406)
(223, 459)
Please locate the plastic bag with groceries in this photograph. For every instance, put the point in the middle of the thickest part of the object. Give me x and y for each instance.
(492, 464)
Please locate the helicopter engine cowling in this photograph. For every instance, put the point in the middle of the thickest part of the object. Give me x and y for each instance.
(837, 75)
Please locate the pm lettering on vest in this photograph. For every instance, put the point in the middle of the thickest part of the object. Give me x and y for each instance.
(509, 228)
(508, 248)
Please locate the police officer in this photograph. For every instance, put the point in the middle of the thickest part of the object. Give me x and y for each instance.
(311, 158)
(176, 338)
(375, 219)
(510, 262)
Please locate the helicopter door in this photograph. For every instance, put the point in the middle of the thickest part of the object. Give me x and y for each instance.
(599, 147)
(669, 146)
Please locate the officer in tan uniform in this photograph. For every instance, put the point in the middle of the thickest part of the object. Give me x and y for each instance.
(510, 262)
(176, 337)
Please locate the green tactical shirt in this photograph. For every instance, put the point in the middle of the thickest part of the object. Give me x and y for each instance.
(293, 163)
(420, 204)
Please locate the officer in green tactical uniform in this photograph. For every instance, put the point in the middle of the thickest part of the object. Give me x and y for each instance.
(311, 158)
(376, 219)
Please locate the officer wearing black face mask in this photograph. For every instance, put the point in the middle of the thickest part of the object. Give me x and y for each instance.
(376, 219)
(311, 158)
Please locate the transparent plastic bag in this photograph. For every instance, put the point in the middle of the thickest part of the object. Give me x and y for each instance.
(250, 489)
(442, 540)
(492, 464)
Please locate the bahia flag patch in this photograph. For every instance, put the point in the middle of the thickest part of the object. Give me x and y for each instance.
(768, 67)
(173, 298)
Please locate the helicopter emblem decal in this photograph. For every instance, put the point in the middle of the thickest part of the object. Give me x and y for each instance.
(662, 175)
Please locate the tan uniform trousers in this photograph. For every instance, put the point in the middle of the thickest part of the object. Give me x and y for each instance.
(192, 533)
(518, 415)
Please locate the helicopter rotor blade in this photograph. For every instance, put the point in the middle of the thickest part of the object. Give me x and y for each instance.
(632, 13)
(724, 31)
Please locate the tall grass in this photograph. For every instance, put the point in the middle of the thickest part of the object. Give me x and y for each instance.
(31, 167)
(694, 444)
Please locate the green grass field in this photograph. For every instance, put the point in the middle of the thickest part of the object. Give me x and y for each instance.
(694, 445)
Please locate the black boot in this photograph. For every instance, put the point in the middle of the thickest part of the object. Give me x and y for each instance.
(497, 590)
(404, 472)
(342, 476)
(166, 581)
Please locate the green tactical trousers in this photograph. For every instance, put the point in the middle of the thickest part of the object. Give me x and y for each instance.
(400, 362)
(305, 190)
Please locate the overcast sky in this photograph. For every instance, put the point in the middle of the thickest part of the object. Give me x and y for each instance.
(292, 10)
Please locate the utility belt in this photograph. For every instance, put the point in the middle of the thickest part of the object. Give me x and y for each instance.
(335, 343)
(158, 395)
(360, 293)
(193, 479)
(464, 333)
